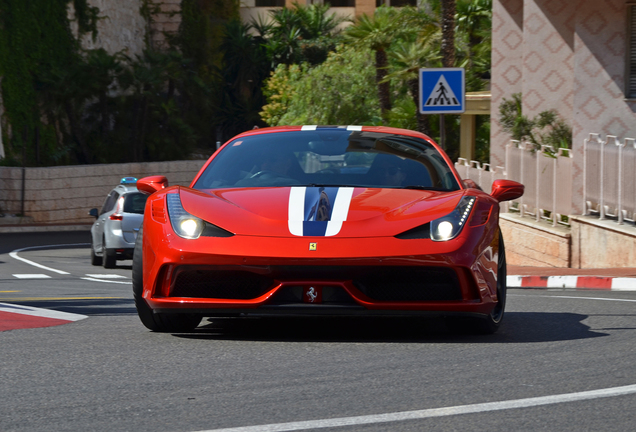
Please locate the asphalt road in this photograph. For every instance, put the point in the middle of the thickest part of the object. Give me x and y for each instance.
(543, 371)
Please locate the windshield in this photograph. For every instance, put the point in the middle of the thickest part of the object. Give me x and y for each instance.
(329, 157)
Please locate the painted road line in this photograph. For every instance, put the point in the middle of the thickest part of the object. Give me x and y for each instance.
(435, 412)
(32, 276)
(13, 317)
(106, 281)
(14, 255)
(107, 276)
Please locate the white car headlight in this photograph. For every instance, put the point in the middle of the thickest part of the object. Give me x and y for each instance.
(449, 226)
(183, 223)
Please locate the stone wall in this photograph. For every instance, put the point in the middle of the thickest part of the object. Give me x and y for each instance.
(529, 243)
(602, 243)
(121, 27)
(65, 194)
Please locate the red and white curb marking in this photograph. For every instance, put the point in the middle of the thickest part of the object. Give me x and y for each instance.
(13, 317)
(573, 282)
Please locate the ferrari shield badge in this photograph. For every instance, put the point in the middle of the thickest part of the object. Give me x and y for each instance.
(313, 246)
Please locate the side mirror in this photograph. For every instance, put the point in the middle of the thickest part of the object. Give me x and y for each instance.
(93, 212)
(506, 190)
(152, 184)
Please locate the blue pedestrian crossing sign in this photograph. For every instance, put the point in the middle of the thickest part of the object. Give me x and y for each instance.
(442, 91)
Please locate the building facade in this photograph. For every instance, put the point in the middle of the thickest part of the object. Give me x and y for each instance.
(576, 57)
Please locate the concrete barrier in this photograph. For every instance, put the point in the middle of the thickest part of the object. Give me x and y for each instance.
(59, 195)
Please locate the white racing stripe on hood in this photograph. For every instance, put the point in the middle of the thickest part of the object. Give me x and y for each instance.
(296, 211)
(340, 211)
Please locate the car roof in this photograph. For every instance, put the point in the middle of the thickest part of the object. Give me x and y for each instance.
(124, 189)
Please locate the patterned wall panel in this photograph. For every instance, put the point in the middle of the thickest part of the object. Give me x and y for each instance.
(507, 65)
(548, 57)
(599, 101)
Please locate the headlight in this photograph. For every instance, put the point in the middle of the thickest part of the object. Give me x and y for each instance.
(449, 226)
(183, 223)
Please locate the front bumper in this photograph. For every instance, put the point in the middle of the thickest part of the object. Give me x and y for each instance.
(279, 276)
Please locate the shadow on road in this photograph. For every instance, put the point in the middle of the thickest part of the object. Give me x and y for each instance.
(519, 327)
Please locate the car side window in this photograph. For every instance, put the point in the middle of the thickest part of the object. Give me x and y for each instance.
(109, 204)
(135, 203)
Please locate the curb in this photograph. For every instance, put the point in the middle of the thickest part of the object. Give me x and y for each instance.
(573, 282)
(14, 317)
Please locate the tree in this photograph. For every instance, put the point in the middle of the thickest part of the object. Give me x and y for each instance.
(378, 32)
(298, 34)
(339, 91)
(473, 20)
(448, 32)
(407, 59)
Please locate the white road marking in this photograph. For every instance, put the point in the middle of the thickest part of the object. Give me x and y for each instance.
(106, 281)
(14, 255)
(45, 313)
(107, 276)
(434, 412)
(32, 276)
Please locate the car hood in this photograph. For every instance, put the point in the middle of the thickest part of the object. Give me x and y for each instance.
(318, 211)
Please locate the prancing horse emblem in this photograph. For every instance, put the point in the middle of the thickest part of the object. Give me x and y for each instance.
(311, 294)
(313, 246)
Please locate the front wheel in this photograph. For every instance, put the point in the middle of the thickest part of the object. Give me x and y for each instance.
(109, 256)
(172, 323)
(492, 322)
(95, 260)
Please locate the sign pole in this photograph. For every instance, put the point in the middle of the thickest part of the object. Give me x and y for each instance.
(442, 132)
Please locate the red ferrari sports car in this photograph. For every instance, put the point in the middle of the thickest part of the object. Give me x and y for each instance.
(322, 220)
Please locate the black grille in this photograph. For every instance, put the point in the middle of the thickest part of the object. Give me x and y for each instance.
(410, 284)
(380, 283)
(232, 284)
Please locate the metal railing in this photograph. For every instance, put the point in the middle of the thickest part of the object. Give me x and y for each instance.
(545, 172)
(609, 178)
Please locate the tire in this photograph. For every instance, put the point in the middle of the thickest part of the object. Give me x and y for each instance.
(171, 323)
(492, 322)
(95, 260)
(109, 256)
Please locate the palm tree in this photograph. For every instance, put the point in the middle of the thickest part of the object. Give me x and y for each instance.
(473, 20)
(378, 32)
(407, 59)
(448, 32)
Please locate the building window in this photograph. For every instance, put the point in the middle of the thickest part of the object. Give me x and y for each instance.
(630, 63)
(270, 3)
(395, 3)
(341, 3)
